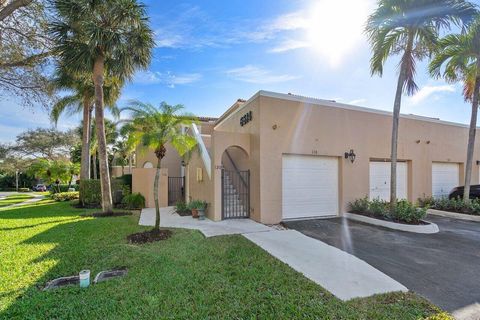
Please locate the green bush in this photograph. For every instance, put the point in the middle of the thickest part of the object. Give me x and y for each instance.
(182, 208)
(404, 211)
(23, 190)
(454, 205)
(65, 196)
(127, 180)
(197, 204)
(90, 192)
(408, 212)
(134, 201)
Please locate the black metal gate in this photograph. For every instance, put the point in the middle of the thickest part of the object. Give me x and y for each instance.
(235, 194)
(176, 190)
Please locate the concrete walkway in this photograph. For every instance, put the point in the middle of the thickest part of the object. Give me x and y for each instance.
(169, 219)
(344, 275)
(36, 198)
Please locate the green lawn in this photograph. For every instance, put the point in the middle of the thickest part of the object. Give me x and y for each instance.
(185, 277)
(14, 199)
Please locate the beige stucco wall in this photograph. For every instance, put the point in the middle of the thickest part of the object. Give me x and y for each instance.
(117, 171)
(283, 126)
(142, 182)
(199, 190)
(172, 161)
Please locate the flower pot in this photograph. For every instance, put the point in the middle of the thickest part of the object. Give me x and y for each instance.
(201, 214)
(194, 213)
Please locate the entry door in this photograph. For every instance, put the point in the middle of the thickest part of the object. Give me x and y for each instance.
(445, 177)
(310, 186)
(380, 180)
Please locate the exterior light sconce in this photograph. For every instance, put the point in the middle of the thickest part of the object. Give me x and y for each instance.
(428, 142)
(350, 155)
(184, 164)
(478, 162)
(418, 141)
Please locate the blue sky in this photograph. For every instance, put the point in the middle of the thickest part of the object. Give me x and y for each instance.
(210, 53)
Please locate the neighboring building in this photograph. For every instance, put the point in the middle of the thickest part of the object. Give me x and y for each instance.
(282, 156)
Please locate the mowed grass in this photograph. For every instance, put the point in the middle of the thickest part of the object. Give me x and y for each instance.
(14, 199)
(184, 277)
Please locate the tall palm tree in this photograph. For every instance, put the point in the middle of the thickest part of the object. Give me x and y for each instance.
(409, 28)
(81, 100)
(102, 37)
(459, 55)
(155, 128)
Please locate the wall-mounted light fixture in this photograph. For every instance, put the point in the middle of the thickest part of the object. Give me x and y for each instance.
(350, 155)
(478, 162)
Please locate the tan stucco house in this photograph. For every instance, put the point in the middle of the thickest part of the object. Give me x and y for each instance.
(282, 156)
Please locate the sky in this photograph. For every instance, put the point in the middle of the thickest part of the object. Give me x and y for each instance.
(210, 53)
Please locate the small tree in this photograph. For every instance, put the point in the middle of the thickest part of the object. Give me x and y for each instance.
(155, 128)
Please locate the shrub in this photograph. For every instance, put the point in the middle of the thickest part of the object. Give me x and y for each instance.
(63, 187)
(126, 179)
(456, 205)
(134, 201)
(65, 196)
(90, 192)
(359, 205)
(197, 204)
(404, 210)
(408, 212)
(182, 208)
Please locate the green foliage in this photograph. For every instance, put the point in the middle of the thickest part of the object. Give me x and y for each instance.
(197, 204)
(126, 179)
(90, 192)
(52, 170)
(65, 196)
(408, 212)
(453, 205)
(64, 188)
(182, 208)
(24, 189)
(134, 201)
(404, 210)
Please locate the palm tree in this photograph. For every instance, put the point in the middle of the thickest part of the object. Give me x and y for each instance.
(81, 100)
(459, 54)
(102, 37)
(155, 128)
(409, 28)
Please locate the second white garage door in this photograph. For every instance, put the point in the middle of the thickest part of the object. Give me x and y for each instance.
(380, 180)
(310, 186)
(445, 177)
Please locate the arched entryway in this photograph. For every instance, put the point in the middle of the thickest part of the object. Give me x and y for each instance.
(235, 183)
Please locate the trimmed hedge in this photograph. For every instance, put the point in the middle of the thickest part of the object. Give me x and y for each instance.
(65, 196)
(91, 192)
(405, 211)
(134, 201)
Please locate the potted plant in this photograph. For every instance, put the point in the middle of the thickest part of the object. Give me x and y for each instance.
(193, 205)
(202, 207)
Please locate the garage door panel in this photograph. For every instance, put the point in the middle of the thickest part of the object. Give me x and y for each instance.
(310, 186)
(445, 177)
(380, 180)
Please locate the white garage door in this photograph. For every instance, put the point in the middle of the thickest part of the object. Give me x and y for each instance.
(310, 186)
(445, 177)
(380, 180)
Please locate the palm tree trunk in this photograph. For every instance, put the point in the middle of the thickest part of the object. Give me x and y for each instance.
(471, 136)
(155, 194)
(98, 70)
(393, 153)
(94, 160)
(130, 164)
(85, 160)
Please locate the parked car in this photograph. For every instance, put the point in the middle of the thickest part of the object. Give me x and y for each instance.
(40, 187)
(458, 192)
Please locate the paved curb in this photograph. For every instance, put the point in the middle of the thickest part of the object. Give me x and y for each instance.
(454, 215)
(429, 228)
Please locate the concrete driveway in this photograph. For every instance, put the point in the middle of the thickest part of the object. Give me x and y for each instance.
(442, 267)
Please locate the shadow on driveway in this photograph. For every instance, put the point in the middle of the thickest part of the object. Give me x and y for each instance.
(442, 267)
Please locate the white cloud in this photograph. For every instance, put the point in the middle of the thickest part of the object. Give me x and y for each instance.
(430, 90)
(171, 80)
(258, 75)
(288, 45)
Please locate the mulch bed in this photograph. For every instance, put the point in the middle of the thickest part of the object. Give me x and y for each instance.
(107, 214)
(149, 236)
